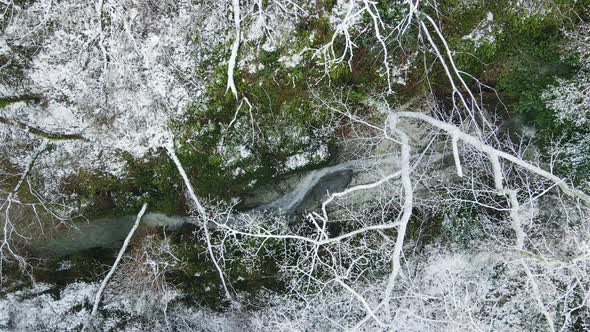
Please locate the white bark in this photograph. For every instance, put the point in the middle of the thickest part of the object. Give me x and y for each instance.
(106, 279)
(456, 156)
(485, 148)
(234, 50)
(202, 213)
(407, 207)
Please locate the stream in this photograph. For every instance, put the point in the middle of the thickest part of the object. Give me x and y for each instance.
(307, 191)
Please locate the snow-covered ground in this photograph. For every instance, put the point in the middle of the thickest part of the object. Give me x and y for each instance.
(117, 85)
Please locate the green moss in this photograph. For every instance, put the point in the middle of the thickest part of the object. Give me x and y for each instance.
(4, 103)
(88, 266)
(533, 61)
(424, 228)
(199, 278)
(283, 114)
(523, 59)
(153, 180)
(318, 26)
(27, 98)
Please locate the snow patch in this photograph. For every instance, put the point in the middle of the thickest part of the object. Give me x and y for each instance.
(483, 33)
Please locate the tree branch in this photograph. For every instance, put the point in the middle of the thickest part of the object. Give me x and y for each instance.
(106, 279)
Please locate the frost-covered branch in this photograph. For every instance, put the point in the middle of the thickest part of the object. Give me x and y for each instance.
(202, 213)
(8, 227)
(488, 149)
(106, 279)
(41, 132)
(234, 50)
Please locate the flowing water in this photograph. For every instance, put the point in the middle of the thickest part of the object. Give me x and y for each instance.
(306, 194)
(104, 233)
